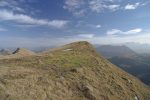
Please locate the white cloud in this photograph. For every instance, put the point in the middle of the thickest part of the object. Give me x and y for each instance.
(132, 6)
(74, 6)
(112, 7)
(113, 32)
(134, 31)
(96, 5)
(145, 3)
(86, 35)
(57, 23)
(79, 13)
(119, 32)
(18, 9)
(3, 3)
(25, 19)
(84, 24)
(93, 26)
(3, 29)
(98, 26)
(81, 7)
(13, 5)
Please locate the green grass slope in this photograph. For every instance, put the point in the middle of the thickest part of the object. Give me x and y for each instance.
(72, 72)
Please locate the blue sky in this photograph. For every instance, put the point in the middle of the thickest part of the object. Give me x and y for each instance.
(36, 23)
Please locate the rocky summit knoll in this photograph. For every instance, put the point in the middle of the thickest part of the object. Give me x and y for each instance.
(18, 53)
(23, 52)
(72, 72)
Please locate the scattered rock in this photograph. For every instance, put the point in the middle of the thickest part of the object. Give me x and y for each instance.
(76, 70)
(129, 81)
(136, 98)
(68, 50)
(87, 91)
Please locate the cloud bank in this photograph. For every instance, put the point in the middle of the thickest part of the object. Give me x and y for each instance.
(132, 6)
(51, 41)
(81, 7)
(6, 15)
(120, 32)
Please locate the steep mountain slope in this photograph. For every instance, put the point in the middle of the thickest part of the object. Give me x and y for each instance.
(135, 64)
(109, 51)
(72, 72)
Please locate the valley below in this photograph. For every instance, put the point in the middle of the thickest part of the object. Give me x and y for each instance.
(128, 60)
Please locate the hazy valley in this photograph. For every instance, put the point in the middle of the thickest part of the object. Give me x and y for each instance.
(135, 63)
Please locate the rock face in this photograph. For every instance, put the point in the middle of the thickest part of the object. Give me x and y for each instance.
(72, 72)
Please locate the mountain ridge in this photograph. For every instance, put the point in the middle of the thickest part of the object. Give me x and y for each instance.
(74, 71)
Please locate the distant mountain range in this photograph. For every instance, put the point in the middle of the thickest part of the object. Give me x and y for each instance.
(139, 48)
(19, 52)
(129, 60)
(109, 51)
(5, 52)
